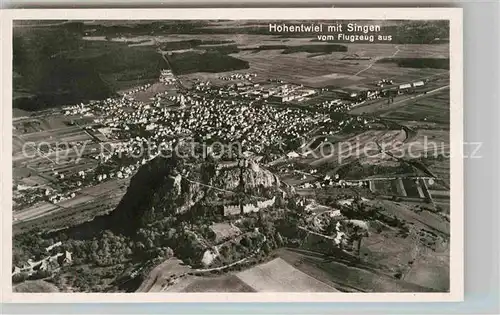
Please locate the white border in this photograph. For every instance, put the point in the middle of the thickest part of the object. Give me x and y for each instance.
(456, 144)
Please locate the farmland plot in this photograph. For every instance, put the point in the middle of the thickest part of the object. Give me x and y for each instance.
(158, 278)
(385, 187)
(228, 283)
(435, 108)
(422, 220)
(427, 144)
(412, 188)
(278, 276)
(442, 170)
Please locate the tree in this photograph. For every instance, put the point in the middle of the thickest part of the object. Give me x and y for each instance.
(41, 274)
(247, 242)
(331, 227)
(20, 277)
(169, 252)
(266, 248)
(279, 240)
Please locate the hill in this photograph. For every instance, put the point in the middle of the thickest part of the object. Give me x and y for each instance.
(166, 187)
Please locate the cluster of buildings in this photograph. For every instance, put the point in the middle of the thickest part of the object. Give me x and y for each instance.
(167, 77)
(236, 113)
(280, 93)
(328, 181)
(22, 198)
(288, 93)
(384, 82)
(238, 209)
(140, 131)
(124, 168)
(212, 252)
(384, 87)
(49, 263)
(55, 197)
(336, 105)
(238, 76)
(208, 118)
(79, 109)
(358, 93)
(26, 197)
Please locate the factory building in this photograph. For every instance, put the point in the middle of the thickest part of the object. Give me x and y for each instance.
(292, 95)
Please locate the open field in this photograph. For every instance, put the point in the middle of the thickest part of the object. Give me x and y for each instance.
(357, 146)
(25, 125)
(346, 274)
(145, 96)
(310, 69)
(88, 203)
(381, 107)
(224, 231)
(46, 142)
(66, 133)
(440, 189)
(37, 210)
(331, 70)
(223, 283)
(409, 257)
(279, 276)
(423, 220)
(38, 286)
(426, 143)
(44, 169)
(435, 108)
(21, 174)
(69, 217)
(442, 170)
(46, 146)
(227, 283)
(127, 56)
(389, 259)
(431, 269)
(41, 169)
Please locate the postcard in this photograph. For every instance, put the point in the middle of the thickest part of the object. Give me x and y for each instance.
(232, 155)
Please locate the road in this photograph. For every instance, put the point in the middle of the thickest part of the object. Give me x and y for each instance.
(178, 82)
(316, 233)
(206, 270)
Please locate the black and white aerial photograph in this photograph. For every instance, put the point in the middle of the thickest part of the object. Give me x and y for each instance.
(180, 156)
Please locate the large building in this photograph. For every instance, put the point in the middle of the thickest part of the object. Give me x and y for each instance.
(357, 93)
(292, 95)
